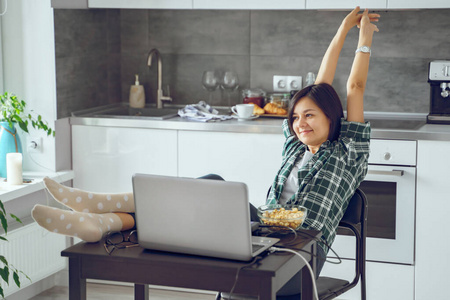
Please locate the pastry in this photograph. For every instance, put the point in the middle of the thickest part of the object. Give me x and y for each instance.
(257, 110)
(272, 108)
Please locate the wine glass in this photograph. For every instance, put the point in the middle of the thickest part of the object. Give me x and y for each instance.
(210, 82)
(230, 82)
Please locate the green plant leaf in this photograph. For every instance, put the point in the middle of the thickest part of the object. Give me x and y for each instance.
(2, 207)
(26, 276)
(3, 238)
(13, 111)
(16, 279)
(4, 273)
(1, 292)
(16, 218)
(23, 126)
(4, 222)
(3, 260)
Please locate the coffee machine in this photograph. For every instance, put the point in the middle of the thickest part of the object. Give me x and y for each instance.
(439, 80)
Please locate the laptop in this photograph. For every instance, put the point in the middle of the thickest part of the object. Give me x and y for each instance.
(195, 216)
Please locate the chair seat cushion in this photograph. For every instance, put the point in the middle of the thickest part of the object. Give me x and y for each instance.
(328, 285)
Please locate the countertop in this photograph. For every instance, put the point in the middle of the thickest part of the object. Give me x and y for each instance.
(403, 126)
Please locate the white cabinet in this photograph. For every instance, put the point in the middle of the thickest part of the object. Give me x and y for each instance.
(105, 158)
(248, 4)
(384, 281)
(345, 4)
(245, 157)
(133, 4)
(432, 215)
(141, 4)
(394, 4)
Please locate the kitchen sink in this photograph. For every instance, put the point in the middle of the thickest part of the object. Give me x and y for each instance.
(124, 111)
(146, 112)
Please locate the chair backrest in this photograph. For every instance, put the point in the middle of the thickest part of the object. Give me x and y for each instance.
(356, 209)
(355, 220)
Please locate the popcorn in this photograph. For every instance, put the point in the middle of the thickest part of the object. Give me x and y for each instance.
(292, 218)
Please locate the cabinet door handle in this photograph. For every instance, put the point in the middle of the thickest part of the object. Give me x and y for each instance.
(388, 173)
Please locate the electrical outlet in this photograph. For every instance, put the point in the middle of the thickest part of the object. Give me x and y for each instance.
(294, 83)
(279, 83)
(34, 144)
(286, 83)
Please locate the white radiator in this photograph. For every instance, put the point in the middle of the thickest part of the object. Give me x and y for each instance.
(34, 251)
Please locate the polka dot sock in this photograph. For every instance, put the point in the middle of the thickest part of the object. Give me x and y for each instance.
(89, 227)
(82, 201)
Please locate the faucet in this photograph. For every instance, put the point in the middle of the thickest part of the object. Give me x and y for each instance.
(160, 94)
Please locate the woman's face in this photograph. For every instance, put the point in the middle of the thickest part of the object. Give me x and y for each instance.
(310, 124)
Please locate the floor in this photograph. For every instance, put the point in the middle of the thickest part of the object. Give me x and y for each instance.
(96, 291)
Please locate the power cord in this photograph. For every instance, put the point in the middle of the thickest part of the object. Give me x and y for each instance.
(254, 261)
(273, 249)
(299, 233)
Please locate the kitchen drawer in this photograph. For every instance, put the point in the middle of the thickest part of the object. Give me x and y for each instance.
(393, 152)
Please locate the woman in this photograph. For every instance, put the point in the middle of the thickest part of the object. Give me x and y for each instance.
(324, 156)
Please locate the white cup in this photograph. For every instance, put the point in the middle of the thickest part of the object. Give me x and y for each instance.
(243, 110)
(14, 168)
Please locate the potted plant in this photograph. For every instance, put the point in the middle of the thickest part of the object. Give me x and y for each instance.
(13, 112)
(7, 268)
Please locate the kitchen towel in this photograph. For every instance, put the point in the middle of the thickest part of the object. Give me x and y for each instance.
(202, 112)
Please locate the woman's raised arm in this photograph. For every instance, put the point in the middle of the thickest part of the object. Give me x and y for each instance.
(330, 59)
(356, 83)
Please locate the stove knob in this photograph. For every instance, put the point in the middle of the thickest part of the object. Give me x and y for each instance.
(387, 156)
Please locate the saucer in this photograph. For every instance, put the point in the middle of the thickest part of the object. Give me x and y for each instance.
(245, 119)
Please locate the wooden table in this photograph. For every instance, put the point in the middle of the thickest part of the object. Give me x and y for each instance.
(143, 267)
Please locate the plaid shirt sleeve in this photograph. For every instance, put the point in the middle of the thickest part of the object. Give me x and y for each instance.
(330, 178)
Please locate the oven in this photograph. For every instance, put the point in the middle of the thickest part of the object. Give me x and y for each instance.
(390, 187)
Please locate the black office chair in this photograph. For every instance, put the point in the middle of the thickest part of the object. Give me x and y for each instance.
(354, 220)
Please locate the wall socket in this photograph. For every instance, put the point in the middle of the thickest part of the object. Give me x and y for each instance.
(34, 144)
(286, 83)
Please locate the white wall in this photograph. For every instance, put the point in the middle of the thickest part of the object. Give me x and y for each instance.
(29, 69)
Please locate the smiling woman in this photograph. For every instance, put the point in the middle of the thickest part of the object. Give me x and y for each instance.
(319, 113)
(325, 157)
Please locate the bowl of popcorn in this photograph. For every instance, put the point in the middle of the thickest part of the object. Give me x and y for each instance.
(282, 217)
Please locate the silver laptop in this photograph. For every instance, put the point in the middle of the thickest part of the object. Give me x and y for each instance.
(195, 216)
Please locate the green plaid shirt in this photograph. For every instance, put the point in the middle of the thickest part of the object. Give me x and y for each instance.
(328, 180)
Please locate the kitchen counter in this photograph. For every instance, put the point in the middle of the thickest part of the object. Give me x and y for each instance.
(403, 126)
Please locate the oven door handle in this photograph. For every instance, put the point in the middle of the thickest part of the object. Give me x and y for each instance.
(388, 173)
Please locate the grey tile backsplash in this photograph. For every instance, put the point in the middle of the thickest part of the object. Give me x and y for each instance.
(99, 51)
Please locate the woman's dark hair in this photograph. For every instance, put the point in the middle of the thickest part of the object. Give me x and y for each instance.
(326, 98)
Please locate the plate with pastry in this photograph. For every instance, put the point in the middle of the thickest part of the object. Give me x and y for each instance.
(270, 110)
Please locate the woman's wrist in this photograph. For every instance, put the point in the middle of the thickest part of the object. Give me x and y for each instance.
(365, 38)
(345, 27)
